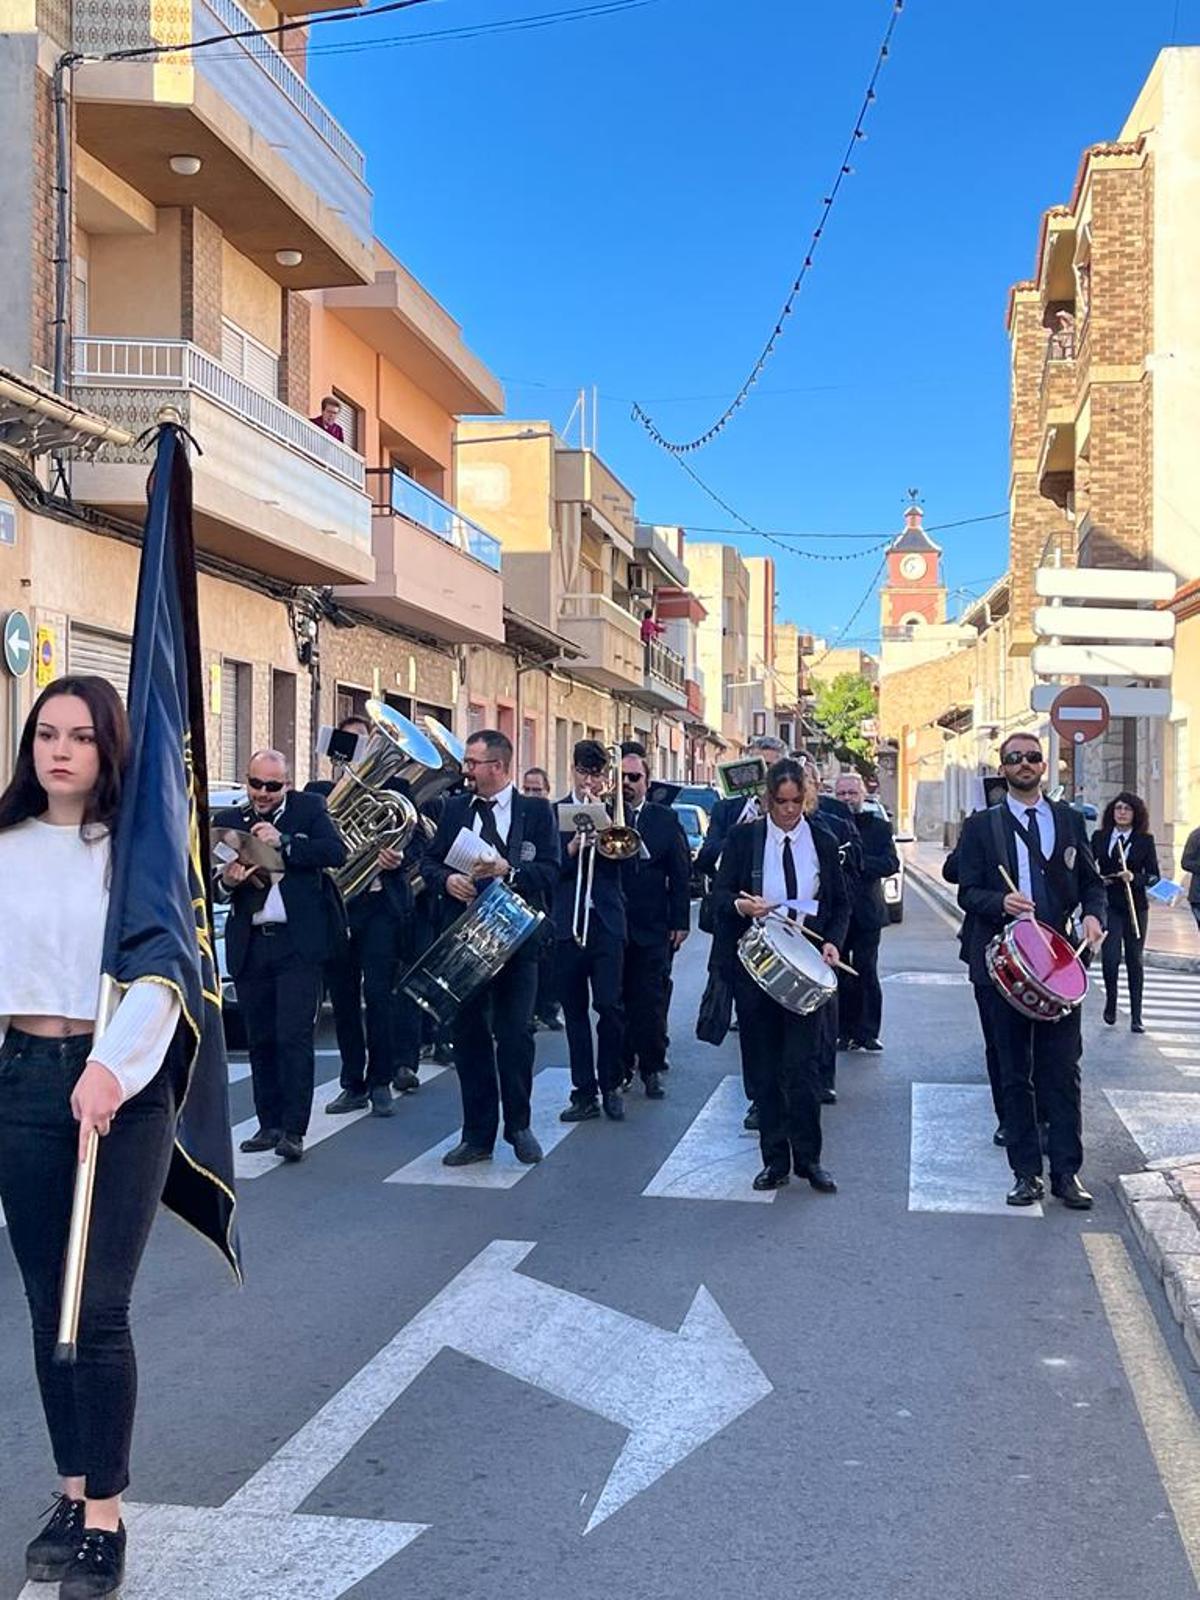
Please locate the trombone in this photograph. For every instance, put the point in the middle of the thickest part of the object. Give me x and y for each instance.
(619, 842)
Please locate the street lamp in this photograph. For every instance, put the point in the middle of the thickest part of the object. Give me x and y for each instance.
(506, 438)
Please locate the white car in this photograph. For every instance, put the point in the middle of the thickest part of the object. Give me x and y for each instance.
(893, 887)
(220, 796)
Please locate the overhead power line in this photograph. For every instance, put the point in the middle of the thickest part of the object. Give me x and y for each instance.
(688, 446)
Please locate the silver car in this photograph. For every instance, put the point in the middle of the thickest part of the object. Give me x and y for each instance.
(893, 887)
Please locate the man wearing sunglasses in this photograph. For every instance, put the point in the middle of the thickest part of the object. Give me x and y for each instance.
(1042, 846)
(281, 929)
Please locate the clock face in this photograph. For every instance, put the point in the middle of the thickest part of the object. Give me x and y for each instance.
(912, 567)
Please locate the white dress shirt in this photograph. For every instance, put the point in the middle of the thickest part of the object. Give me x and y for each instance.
(804, 859)
(501, 812)
(1123, 835)
(751, 811)
(272, 909)
(1045, 821)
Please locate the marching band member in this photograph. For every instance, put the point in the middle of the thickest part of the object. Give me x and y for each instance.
(493, 1041)
(56, 1085)
(598, 964)
(276, 940)
(536, 784)
(1128, 862)
(1042, 847)
(782, 861)
(659, 916)
(835, 816)
(860, 999)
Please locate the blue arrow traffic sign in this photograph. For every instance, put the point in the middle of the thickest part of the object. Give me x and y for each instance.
(18, 643)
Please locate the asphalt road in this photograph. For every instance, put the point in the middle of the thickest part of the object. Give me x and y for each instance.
(869, 1400)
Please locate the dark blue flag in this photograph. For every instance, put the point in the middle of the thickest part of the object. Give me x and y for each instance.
(160, 908)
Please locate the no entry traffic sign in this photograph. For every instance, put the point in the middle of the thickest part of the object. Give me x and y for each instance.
(1079, 713)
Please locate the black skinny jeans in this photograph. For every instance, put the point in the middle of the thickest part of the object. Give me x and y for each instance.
(1123, 941)
(89, 1407)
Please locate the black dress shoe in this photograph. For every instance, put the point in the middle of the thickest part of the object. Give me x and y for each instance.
(768, 1178)
(843, 1043)
(1025, 1192)
(1071, 1192)
(652, 1084)
(829, 1097)
(1137, 1026)
(750, 1120)
(1110, 1015)
(264, 1139)
(290, 1147)
(526, 1148)
(348, 1100)
(465, 1155)
(1000, 1137)
(49, 1555)
(553, 1023)
(406, 1081)
(614, 1105)
(873, 1045)
(580, 1111)
(98, 1568)
(819, 1177)
(851, 1044)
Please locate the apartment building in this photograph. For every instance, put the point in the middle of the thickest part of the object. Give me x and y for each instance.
(1105, 350)
(721, 582)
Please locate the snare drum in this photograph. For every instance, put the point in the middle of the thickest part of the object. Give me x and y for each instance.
(786, 966)
(471, 951)
(1036, 970)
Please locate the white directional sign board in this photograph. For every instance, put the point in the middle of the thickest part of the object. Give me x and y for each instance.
(1102, 660)
(1103, 583)
(671, 1391)
(1103, 622)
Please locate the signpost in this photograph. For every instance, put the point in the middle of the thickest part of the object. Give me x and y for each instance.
(1079, 713)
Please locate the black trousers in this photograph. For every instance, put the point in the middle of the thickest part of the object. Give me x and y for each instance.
(861, 999)
(646, 990)
(785, 1055)
(1041, 1080)
(279, 994)
(1122, 940)
(493, 1052)
(598, 968)
(360, 976)
(828, 1033)
(985, 993)
(545, 1005)
(89, 1407)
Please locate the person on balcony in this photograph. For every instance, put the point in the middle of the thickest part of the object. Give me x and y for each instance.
(651, 631)
(327, 421)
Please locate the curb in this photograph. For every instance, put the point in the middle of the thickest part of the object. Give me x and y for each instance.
(1163, 1206)
(944, 894)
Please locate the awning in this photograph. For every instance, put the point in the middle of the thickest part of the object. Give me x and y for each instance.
(34, 420)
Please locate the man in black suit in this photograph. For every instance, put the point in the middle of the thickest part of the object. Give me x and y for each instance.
(281, 930)
(658, 909)
(782, 863)
(493, 1040)
(1043, 848)
(536, 784)
(836, 818)
(595, 965)
(860, 1000)
(361, 975)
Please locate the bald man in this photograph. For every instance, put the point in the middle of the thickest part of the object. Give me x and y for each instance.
(282, 927)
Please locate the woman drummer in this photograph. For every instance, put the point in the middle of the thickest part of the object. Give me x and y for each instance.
(57, 1084)
(782, 866)
(1128, 861)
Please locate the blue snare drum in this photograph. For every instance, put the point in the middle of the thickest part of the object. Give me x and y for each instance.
(471, 951)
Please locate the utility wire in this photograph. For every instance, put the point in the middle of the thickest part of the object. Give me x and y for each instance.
(680, 448)
(840, 635)
(356, 15)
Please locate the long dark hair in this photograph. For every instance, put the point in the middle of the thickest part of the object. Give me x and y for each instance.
(25, 797)
(1141, 817)
(789, 770)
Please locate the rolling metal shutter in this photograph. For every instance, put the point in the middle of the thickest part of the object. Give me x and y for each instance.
(235, 720)
(100, 655)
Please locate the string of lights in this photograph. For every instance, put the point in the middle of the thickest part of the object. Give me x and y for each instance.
(782, 533)
(681, 448)
(840, 635)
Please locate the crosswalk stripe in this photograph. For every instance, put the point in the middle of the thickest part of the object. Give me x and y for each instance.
(1172, 1053)
(1161, 1122)
(715, 1159)
(953, 1165)
(551, 1091)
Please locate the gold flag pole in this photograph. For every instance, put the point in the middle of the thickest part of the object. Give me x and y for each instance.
(1133, 916)
(81, 1212)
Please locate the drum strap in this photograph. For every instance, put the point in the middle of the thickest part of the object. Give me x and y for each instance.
(1052, 870)
(756, 855)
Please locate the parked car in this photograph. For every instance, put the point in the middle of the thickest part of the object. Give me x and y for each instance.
(698, 794)
(694, 819)
(893, 887)
(220, 796)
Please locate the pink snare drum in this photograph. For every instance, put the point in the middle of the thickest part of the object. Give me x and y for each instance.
(1036, 970)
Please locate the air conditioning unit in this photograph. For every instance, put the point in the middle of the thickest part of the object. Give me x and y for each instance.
(639, 579)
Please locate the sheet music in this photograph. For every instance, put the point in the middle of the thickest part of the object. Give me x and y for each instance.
(468, 849)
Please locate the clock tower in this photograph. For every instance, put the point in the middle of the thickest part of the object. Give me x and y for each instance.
(913, 592)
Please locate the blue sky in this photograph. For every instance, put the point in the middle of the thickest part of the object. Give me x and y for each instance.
(624, 202)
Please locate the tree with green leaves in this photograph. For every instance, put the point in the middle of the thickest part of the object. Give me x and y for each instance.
(842, 706)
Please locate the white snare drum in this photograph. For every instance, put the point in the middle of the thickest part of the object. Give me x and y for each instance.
(471, 951)
(786, 965)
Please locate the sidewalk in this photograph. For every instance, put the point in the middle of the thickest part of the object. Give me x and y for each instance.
(1172, 942)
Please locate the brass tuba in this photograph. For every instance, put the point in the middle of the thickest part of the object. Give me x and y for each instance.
(368, 815)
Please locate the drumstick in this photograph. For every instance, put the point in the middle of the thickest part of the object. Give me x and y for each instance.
(781, 916)
(1012, 889)
(1082, 946)
(1133, 916)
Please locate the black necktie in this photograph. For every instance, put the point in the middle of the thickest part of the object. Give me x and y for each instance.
(1037, 875)
(488, 832)
(790, 882)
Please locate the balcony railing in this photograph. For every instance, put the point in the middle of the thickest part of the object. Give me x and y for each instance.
(592, 607)
(395, 493)
(666, 664)
(175, 364)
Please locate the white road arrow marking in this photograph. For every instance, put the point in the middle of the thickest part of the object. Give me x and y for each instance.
(672, 1391)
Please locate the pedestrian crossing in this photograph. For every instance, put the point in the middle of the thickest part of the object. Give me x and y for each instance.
(1171, 1013)
(551, 1092)
(953, 1165)
(716, 1159)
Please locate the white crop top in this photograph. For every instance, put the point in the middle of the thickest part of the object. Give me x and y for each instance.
(53, 905)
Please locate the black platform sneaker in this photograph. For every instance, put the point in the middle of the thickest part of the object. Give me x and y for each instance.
(98, 1567)
(49, 1555)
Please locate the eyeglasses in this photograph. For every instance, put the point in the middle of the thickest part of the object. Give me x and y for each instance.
(270, 785)
(471, 762)
(1019, 758)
